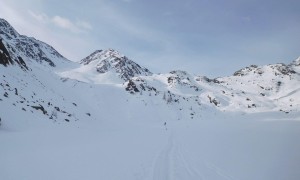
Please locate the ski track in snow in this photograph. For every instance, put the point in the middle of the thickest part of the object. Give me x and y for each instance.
(173, 164)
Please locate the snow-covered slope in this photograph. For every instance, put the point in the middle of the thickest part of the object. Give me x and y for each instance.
(29, 85)
(111, 60)
(109, 118)
(272, 87)
(252, 89)
(106, 66)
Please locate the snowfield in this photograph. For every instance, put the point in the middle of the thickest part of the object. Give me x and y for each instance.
(231, 146)
(107, 117)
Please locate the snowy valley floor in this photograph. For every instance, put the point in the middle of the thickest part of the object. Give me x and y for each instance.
(228, 147)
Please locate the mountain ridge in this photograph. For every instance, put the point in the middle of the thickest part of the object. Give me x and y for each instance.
(269, 88)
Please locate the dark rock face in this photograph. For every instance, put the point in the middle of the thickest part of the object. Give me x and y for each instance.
(213, 101)
(139, 85)
(131, 87)
(22, 63)
(40, 107)
(5, 59)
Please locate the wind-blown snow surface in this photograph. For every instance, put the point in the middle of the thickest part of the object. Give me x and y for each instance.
(114, 119)
(227, 147)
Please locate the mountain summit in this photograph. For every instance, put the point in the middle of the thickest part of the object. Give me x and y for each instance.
(23, 50)
(110, 60)
(7, 30)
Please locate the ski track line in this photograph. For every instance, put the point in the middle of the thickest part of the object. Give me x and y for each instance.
(219, 171)
(171, 164)
(206, 169)
(162, 164)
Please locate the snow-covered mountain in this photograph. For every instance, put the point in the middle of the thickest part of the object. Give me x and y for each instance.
(121, 121)
(251, 89)
(106, 67)
(27, 49)
(111, 60)
(273, 87)
(28, 83)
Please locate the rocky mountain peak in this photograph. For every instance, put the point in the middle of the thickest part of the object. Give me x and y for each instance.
(7, 30)
(177, 76)
(22, 49)
(179, 72)
(96, 54)
(111, 60)
(276, 69)
(247, 70)
(102, 55)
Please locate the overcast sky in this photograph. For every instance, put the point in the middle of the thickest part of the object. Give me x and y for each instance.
(204, 37)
